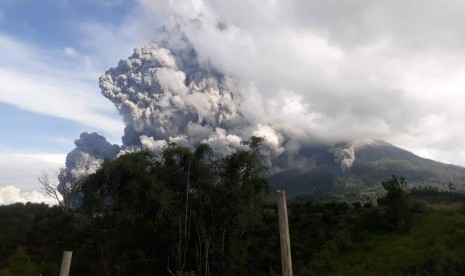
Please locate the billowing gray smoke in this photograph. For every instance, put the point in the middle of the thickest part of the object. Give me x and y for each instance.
(166, 98)
(169, 96)
(91, 149)
(344, 155)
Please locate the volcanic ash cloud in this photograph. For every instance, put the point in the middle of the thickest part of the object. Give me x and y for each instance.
(344, 155)
(167, 96)
(91, 149)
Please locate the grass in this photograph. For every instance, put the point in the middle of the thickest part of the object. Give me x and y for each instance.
(448, 206)
(434, 244)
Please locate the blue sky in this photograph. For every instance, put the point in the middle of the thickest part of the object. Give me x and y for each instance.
(340, 69)
(55, 24)
(51, 55)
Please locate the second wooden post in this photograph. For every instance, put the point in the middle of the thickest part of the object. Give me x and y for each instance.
(286, 260)
(66, 263)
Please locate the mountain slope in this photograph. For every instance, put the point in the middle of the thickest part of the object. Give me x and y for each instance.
(363, 172)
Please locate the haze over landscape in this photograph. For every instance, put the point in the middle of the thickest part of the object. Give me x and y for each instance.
(299, 73)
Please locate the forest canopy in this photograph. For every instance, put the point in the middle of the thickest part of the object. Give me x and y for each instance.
(193, 212)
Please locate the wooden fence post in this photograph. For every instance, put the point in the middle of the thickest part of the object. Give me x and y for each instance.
(66, 263)
(286, 261)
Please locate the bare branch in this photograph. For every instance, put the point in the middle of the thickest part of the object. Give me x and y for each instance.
(50, 187)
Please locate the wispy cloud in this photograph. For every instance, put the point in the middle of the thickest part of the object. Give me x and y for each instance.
(70, 51)
(21, 169)
(382, 69)
(43, 82)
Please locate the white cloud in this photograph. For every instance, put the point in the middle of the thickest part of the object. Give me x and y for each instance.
(70, 51)
(42, 82)
(19, 173)
(332, 70)
(58, 98)
(107, 44)
(22, 169)
(319, 69)
(10, 194)
(111, 3)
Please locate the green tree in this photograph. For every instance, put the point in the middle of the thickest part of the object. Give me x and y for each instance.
(219, 201)
(20, 263)
(130, 215)
(185, 210)
(398, 204)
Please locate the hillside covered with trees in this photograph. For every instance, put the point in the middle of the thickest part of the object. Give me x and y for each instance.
(190, 212)
(373, 163)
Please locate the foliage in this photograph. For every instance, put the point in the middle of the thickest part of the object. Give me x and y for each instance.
(190, 212)
(20, 263)
(398, 203)
(43, 231)
(186, 210)
(433, 246)
(372, 165)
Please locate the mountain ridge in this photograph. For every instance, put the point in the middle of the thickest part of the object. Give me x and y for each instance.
(360, 167)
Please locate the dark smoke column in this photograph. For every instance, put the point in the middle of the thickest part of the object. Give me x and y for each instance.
(168, 96)
(165, 96)
(91, 149)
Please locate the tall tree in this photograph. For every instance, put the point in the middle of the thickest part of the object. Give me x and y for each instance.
(398, 203)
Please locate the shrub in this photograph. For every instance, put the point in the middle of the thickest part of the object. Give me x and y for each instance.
(397, 203)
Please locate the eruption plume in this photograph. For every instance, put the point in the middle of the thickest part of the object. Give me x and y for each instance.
(165, 98)
(91, 149)
(169, 96)
(344, 155)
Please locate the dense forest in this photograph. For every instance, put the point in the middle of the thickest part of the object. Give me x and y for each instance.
(191, 212)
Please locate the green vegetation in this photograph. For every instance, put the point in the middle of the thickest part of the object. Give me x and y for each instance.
(373, 164)
(189, 212)
(434, 246)
(186, 211)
